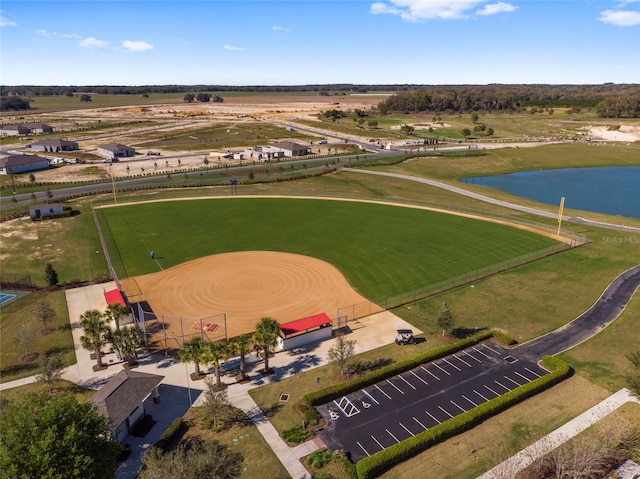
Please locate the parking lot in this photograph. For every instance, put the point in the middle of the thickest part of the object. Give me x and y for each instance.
(386, 413)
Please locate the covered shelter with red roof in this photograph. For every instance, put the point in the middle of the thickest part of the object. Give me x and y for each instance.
(115, 296)
(304, 331)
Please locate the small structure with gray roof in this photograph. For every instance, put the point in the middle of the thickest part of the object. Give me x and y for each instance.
(37, 128)
(291, 148)
(114, 151)
(54, 145)
(122, 400)
(15, 164)
(14, 130)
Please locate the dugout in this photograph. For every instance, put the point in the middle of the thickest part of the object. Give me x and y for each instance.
(115, 296)
(304, 331)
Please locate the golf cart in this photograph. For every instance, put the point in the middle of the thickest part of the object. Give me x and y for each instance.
(405, 336)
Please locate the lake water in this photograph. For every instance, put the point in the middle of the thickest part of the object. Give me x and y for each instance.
(610, 190)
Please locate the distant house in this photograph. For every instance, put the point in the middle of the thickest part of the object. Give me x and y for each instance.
(114, 151)
(124, 398)
(53, 145)
(37, 128)
(14, 130)
(292, 149)
(263, 153)
(38, 212)
(22, 163)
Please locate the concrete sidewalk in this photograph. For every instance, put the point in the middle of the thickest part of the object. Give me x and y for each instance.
(551, 441)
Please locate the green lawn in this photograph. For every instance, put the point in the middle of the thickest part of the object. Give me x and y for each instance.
(19, 313)
(382, 250)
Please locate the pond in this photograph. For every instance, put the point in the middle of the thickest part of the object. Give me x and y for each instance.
(614, 190)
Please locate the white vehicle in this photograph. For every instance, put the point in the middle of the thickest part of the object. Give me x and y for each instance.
(405, 336)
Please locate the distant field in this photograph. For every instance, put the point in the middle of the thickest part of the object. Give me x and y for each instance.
(381, 250)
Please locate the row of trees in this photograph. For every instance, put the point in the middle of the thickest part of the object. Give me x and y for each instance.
(202, 97)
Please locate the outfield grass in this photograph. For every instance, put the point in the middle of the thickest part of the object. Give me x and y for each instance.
(382, 250)
(19, 313)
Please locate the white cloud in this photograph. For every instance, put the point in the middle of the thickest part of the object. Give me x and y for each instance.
(280, 29)
(70, 35)
(5, 22)
(416, 10)
(231, 47)
(45, 33)
(495, 8)
(136, 46)
(620, 18)
(91, 42)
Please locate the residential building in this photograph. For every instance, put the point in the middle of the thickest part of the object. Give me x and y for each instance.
(15, 164)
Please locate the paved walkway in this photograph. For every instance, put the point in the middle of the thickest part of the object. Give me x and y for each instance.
(558, 437)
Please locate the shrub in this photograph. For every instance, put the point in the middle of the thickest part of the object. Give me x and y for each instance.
(167, 437)
(296, 435)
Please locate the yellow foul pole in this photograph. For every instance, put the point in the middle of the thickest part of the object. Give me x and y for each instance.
(560, 214)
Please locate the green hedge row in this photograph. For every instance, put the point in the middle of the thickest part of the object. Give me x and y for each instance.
(376, 464)
(167, 437)
(329, 394)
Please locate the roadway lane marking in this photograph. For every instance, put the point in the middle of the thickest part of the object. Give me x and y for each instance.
(406, 429)
(401, 392)
(523, 377)
(452, 365)
(477, 350)
(425, 427)
(446, 372)
(462, 360)
(462, 409)
(508, 378)
(389, 432)
(431, 416)
(365, 451)
(444, 411)
(502, 385)
(426, 383)
(469, 400)
(480, 395)
(426, 370)
(533, 372)
(472, 357)
(410, 385)
(370, 397)
(492, 350)
(378, 443)
(378, 388)
(491, 390)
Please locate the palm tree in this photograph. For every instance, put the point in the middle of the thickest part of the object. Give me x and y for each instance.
(242, 345)
(96, 333)
(214, 353)
(266, 337)
(192, 352)
(117, 311)
(127, 340)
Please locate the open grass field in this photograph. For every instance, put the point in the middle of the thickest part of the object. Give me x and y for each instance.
(403, 249)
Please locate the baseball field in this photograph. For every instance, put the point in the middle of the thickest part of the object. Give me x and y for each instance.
(288, 258)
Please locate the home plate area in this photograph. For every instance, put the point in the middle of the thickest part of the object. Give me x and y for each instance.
(200, 326)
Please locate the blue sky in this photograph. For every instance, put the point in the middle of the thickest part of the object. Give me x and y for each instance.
(302, 42)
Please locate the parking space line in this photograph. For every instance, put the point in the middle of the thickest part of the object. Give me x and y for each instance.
(469, 400)
(485, 355)
(345, 404)
(365, 451)
(480, 395)
(452, 365)
(401, 392)
(444, 371)
(406, 429)
(426, 383)
(472, 357)
(389, 432)
(410, 385)
(533, 372)
(502, 385)
(456, 405)
(370, 396)
(445, 411)
(378, 388)
(492, 350)
(514, 382)
(425, 427)
(377, 442)
(491, 390)
(461, 360)
(523, 377)
(426, 370)
(432, 417)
